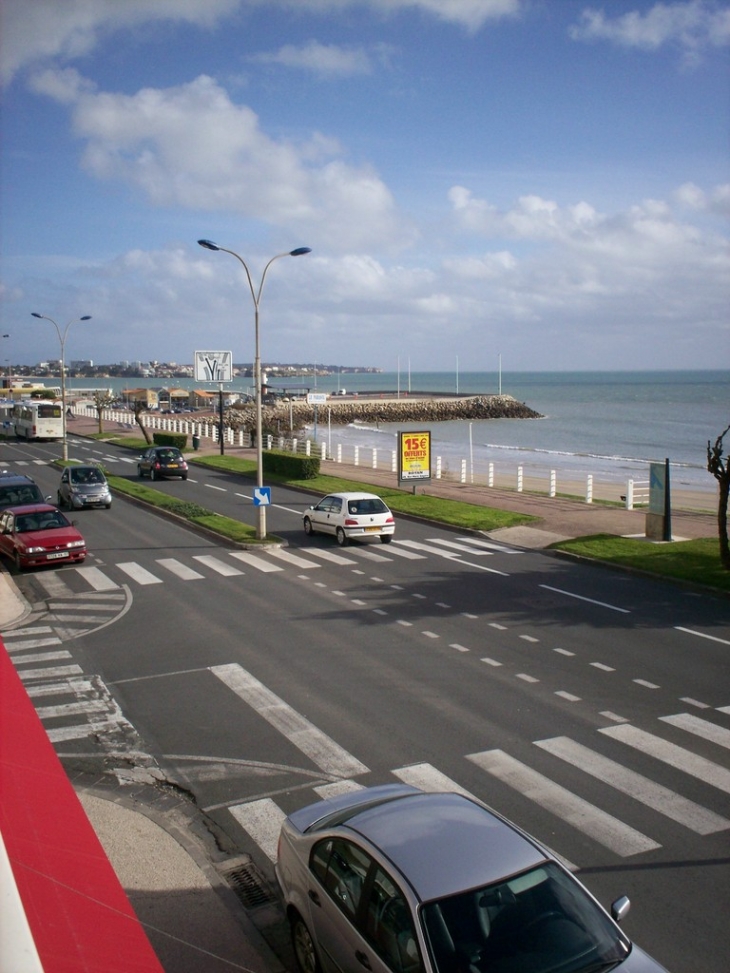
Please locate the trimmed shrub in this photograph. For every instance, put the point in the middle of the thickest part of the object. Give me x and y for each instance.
(291, 465)
(178, 439)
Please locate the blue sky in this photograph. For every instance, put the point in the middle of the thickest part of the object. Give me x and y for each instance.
(543, 180)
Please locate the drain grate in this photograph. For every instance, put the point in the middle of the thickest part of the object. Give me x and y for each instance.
(248, 884)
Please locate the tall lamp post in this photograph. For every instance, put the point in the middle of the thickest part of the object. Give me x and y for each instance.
(256, 295)
(8, 361)
(62, 340)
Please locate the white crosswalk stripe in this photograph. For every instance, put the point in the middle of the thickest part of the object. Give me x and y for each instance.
(653, 795)
(179, 569)
(327, 555)
(262, 820)
(288, 557)
(215, 564)
(254, 561)
(139, 574)
(701, 728)
(96, 579)
(456, 546)
(669, 753)
(602, 827)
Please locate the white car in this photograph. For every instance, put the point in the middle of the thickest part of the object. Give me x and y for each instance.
(350, 515)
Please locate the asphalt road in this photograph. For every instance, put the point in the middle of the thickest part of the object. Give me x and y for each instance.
(590, 706)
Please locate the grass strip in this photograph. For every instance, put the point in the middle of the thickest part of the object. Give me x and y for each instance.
(694, 562)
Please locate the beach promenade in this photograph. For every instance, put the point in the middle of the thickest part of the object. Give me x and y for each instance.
(694, 513)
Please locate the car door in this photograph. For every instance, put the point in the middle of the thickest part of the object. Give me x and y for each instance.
(64, 492)
(6, 533)
(321, 515)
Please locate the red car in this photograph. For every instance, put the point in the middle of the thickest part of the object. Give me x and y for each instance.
(37, 533)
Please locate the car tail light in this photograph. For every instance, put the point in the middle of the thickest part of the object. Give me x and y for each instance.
(390, 520)
(351, 523)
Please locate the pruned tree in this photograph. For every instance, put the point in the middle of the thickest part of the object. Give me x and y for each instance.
(719, 466)
(140, 407)
(101, 400)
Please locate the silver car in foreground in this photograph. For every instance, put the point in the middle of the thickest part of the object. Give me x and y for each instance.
(350, 516)
(395, 880)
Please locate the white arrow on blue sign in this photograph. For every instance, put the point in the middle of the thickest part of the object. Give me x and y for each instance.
(262, 496)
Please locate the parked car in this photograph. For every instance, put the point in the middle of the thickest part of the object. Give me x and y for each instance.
(38, 533)
(350, 515)
(394, 879)
(16, 489)
(84, 486)
(162, 461)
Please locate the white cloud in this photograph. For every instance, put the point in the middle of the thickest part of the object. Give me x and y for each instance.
(192, 146)
(37, 29)
(690, 24)
(325, 60)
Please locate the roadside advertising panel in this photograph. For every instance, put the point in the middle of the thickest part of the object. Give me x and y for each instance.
(414, 455)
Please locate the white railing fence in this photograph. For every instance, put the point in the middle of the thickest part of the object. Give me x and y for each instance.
(636, 491)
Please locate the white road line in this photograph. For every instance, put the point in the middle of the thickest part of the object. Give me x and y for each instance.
(220, 567)
(14, 647)
(326, 791)
(55, 688)
(62, 734)
(490, 545)
(360, 550)
(33, 630)
(137, 573)
(72, 709)
(429, 549)
(51, 672)
(592, 821)
(427, 778)
(329, 555)
(702, 635)
(262, 820)
(255, 562)
(591, 601)
(44, 657)
(669, 753)
(700, 728)
(96, 579)
(179, 569)
(647, 792)
(455, 546)
(294, 559)
(321, 749)
(54, 586)
(396, 547)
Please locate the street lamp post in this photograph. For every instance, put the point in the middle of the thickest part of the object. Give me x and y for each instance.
(62, 341)
(256, 295)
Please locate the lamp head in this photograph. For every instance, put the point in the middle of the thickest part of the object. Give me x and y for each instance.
(208, 245)
(300, 251)
(86, 317)
(36, 315)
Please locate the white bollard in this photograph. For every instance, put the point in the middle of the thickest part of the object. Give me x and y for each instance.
(463, 471)
(323, 451)
(589, 488)
(357, 456)
(519, 479)
(630, 495)
(553, 483)
(490, 476)
(393, 461)
(438, 467)
(308, 449)
(375, 458)
(339, 452)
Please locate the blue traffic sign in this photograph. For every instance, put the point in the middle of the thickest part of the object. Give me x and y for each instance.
(262, 496)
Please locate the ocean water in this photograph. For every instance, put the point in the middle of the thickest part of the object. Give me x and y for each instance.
(610, 424)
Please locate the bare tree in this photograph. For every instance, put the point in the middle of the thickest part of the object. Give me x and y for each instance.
(102, 400)
(720, 469)
(140, 407)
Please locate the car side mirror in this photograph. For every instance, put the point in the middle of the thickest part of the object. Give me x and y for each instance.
(620, 908)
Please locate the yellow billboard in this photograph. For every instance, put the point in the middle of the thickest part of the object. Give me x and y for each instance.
(414, 455)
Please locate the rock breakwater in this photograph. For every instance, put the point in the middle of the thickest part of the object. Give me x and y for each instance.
(411, 408)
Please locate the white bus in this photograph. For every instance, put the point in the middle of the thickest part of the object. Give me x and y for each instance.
(38, 419)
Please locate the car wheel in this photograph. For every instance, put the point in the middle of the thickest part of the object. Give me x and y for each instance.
(308, 529)
(18, 564)
(153, 475)
(303, 945)
(185, 476)
(341, 537)
(386, 538)
(60, 502)
(140, 474)
(108, 506)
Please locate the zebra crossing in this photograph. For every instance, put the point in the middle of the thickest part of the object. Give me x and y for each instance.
(606, 826)
(66, 581)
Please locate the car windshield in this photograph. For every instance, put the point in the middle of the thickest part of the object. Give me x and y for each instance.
(169, 455)
(538, 922)
(44, 520)
(86, 476)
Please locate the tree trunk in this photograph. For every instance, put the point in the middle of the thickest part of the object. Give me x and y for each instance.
(722, 523)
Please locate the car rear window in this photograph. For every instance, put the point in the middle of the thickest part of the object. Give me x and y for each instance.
(15, 495)
(368, 506)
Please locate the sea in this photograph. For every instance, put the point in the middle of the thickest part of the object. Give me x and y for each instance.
(609, 424)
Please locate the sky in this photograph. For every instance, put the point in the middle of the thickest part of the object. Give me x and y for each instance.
(543, 183)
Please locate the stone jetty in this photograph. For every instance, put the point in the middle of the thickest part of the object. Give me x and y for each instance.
(386, 407)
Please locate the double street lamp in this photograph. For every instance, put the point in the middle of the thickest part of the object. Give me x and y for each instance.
(62, 340)
(256, 295)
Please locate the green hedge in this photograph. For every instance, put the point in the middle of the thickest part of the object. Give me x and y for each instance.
(291, 465)
(178, 439)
